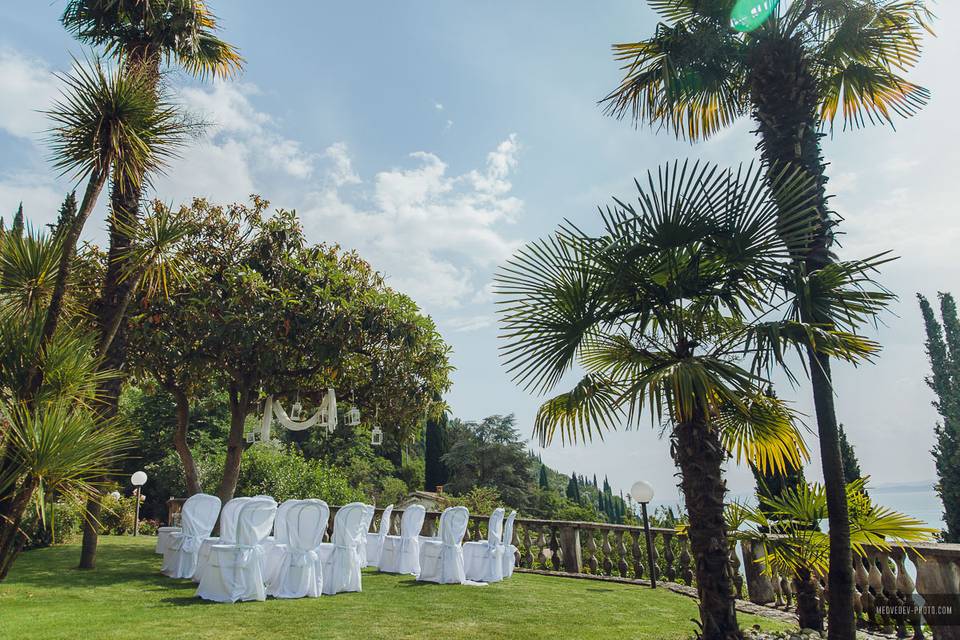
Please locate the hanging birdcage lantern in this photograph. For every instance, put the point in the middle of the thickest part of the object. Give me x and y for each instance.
(353, 417)
(251, 437)
(376, 435)
(296, 409)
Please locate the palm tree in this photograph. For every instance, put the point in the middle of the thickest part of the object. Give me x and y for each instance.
(787, 527)
(665, 311)
(106, 121)
(143, 35)
(51, 443)
(792, 67)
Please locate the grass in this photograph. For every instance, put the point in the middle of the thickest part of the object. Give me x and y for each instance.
(126, 597)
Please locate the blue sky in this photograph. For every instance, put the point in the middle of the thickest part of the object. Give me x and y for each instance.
(437, 137)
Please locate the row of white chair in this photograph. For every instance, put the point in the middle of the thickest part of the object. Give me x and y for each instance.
(245, 563)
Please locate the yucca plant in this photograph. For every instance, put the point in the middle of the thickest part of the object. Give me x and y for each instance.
(793, 67)
(788, 529)
(142, 35)
(53, 442)
(677, 308)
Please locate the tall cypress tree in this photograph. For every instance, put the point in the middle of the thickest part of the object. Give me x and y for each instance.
(544, 483)
(68, 211)
(17, 226)
(573, 490)
(851, 465)
(943, 351)
(435, 471)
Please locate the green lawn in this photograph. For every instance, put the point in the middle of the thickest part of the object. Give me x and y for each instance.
(45, 597)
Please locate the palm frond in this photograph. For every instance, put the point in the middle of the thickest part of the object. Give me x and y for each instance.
(591, 407)
(764, 434)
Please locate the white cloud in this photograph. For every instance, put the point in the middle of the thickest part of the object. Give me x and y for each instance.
(28, 87)
(438, 106)
(437, 236)
(463, 324)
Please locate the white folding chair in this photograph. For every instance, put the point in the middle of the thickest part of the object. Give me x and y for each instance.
(509, 549)
(442, 561)
(341, 556)
(228, 533)
(401, 554)
(296, 568)
(368, 514)
(483, 559)
(198, 517)
(235, 571)
(375, 539)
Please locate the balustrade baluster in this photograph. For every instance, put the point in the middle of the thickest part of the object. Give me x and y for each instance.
(735, 569)
(556, 549)
(527, 557)
(622, 565)
(591, 547)
(668, 557)
(607, 551)
(906, 589)
(544, 555)
(637, 550)
(685, 571)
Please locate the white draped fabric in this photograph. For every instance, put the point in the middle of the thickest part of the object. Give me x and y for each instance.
(401, 554)
(198, 517)
(164, 535)
(367, 520)
(483, 560)
(235, 571)
(442, 561)
(509, 549)
(375, 539)
(325, 416)
(228, 534)
(294, 569)
(341, 556)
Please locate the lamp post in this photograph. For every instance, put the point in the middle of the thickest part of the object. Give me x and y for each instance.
(138, 479)
(642, 492)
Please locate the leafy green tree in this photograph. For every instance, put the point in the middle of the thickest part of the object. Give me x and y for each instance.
(573, 489)
(943, 351)
(543, 482)
(659, 310)
(792, 67)
(436, 447)
(489, 453)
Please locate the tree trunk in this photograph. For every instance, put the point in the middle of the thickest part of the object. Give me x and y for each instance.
(785, 99)
(697, 451)
(239, 408)
(11, 538)
(180, 442)
(808, 606)
(111, 320)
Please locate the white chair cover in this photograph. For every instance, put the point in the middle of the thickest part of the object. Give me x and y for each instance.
(367, 519)
(375, 539)
(279, 526)
(198, 517)
(296, 570)
(483, 560)
(341, 557)
(401, 554)
(164, 535)
(443, 561)
(228, 534)
(509, 549)
(235, 571)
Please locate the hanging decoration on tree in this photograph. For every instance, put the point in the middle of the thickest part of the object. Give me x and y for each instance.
(376, 434)
(325, 416)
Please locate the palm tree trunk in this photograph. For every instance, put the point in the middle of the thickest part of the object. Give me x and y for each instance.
(239, 408)
(699, 454)
(180, 442)
(111, 312)
(785, 95)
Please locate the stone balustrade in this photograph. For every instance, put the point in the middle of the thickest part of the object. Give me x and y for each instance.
(886, 590)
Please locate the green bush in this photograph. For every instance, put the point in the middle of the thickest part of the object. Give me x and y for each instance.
(393, 490)
(479, 500)
(412, 473)
(63, 523)
(282, 472)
